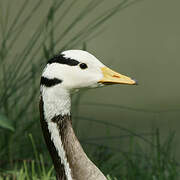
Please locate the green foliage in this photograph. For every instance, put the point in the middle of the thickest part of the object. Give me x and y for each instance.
(136, 163)
(20, 68)
(6, 123)
(155, 162)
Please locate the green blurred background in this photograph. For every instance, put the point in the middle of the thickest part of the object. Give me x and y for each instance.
(141, 40)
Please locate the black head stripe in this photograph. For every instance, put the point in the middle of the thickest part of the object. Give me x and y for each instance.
(63, 60)
(50, 82)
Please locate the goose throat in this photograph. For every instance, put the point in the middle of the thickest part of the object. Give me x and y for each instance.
(54, 121)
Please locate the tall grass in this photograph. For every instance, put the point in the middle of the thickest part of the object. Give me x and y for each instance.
(20, 68)
(136, 163)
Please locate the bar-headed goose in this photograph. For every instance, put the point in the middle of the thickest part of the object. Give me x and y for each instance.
(64, 74)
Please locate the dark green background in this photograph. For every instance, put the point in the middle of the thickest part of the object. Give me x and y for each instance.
(142, 41)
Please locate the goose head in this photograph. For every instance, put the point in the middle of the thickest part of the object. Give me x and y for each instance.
(73, 70)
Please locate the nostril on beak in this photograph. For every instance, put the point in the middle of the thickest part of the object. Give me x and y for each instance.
(116, 76)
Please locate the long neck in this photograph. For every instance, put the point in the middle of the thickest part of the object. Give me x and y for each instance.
(69, 159)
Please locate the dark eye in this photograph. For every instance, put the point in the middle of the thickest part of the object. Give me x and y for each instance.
(83, 66)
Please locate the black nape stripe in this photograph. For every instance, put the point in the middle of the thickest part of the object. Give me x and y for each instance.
(50, 82)
(63, 60)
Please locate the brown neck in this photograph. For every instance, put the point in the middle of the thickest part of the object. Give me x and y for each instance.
(80, 165)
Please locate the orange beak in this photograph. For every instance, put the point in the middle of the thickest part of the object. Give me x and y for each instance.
(112, 77)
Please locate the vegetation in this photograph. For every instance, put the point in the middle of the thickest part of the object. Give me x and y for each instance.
(22, 153)
(157, 163)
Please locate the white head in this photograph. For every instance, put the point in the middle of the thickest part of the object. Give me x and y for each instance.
(76, 69)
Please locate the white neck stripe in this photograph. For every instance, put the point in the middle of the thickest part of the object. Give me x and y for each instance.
(53, 106)
(56, 138)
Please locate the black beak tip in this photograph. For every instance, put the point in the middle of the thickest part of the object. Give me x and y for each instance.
(136, 82)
